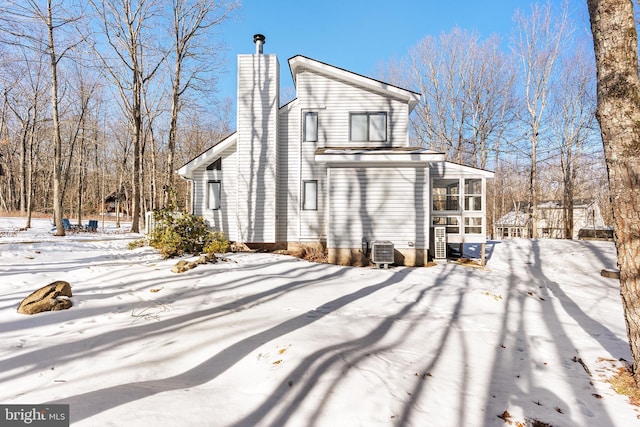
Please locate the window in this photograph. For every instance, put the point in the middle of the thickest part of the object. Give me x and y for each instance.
(473, 225)
(451, 222)
(473, 194)
(213, 192)
(446, 194)
(368, 126)
(216, 165)
(310, 127)
(310, 195)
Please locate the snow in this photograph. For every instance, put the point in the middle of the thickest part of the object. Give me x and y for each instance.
(271, 340)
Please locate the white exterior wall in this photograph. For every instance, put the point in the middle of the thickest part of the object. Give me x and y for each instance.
(257, 121)
(381, 203)
(335, 99)
(223, 219)
(289, 161)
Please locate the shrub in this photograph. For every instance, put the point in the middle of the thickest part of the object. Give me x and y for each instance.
(216, 244)
(178, 233)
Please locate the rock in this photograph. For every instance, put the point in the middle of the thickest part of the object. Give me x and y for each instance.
(180, 267)
(52, 297)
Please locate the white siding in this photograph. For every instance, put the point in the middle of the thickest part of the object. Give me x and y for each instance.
(335, 99)
(388, 203)
(257, 122)
(297, 164)
(223, 219)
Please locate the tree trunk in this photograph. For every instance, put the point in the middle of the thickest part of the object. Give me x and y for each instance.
(173, 131)
(615, 42)
(137, 136)
(57, 140)
(533, 185)
(24, 153)
(81, 173)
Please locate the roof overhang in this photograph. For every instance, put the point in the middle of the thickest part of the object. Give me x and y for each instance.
(450, 169)
(378, 155)
(299, 63)
(207, 157)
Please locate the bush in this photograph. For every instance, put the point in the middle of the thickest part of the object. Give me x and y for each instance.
(217, 243)
(177, 233)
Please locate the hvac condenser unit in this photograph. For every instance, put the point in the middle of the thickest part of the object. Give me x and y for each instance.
(382, 253)
(440, 242)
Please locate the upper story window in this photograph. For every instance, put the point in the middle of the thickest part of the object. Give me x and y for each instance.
(310, 127)
(368, 126)
(446, 195)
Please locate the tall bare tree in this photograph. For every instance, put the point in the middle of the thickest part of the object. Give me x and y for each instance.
(467, 85)
(195, 56)
(538, 44)
(127, 27)
(23, 20)
(615, 41)
(572, 123)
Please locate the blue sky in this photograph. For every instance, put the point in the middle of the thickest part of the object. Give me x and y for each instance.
(358, 35)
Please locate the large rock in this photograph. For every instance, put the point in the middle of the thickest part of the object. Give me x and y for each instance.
(52, 297)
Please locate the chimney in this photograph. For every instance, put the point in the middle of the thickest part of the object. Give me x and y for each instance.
(258, 39)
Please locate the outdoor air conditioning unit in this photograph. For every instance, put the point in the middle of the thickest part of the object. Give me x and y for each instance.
(382, 253)
(440, 240)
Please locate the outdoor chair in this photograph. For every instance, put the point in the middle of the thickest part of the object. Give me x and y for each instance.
(92, 226)
(68, 226)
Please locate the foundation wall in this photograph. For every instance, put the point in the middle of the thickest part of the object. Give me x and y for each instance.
(355, 257)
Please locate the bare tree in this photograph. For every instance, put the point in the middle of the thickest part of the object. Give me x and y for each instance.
(194, 57)
(572, 122)
(23, 21)
(538, 44)
(616, 51)
(467, 85)
(126, 25)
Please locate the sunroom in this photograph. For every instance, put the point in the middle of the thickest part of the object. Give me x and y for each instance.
(458, 195)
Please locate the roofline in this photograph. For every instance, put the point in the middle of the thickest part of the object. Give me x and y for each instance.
(186, 170)
(486, 172)
(412, 97)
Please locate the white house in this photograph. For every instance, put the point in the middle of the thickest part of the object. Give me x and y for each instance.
(550, 221)
(335, 166)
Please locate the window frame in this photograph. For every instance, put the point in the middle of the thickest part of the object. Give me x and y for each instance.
(219, 194)
(449, 199)
(305, 195)
(368, 115)
(472, 198)
(305, 136)
(452, 223)
(469, 224)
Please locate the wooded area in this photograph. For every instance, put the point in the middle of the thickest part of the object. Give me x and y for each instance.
(94, 98)
(100, 104)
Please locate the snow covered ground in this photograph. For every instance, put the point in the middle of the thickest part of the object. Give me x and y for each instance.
(271, 340)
